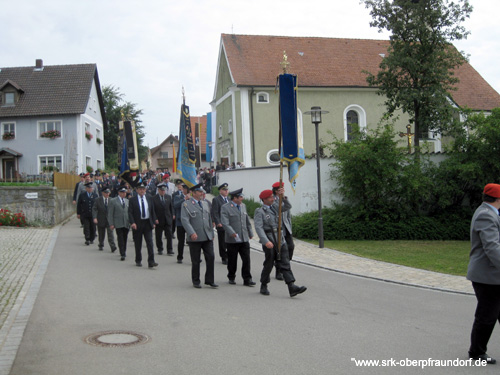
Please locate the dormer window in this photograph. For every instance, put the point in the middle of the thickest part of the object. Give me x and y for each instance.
(9, 98)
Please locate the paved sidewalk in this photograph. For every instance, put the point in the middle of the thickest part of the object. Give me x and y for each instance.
(25, 254)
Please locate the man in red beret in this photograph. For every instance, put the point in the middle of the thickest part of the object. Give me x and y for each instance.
(484, 271)
(266, 226)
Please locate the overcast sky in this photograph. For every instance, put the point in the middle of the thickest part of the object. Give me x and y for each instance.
(151, 49)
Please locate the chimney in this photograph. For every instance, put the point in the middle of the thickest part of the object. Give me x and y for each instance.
(38, 65)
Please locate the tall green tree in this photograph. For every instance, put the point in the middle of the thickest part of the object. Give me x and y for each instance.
(416, 75)
(115, 105)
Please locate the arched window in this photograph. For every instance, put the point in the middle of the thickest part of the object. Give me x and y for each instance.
(352, 118)
(220, 131)
(353, 115)
(230, 126)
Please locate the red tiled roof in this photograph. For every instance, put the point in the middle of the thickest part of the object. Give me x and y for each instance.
(254, 60)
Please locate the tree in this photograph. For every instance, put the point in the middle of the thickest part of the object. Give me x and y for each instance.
(417, 74)
(113, 106)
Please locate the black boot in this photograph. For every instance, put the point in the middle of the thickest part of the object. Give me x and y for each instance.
(279, 275)
(264, 290)
(294, 289)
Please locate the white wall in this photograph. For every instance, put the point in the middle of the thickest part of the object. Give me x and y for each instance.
(305, 199)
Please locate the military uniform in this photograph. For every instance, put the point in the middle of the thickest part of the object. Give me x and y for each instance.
(118, 218)
(266, 226)
(235, 221)
(196, 218)
(84, 209)
(217, 203)
(100, 212)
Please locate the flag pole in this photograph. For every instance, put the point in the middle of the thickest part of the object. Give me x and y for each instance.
(284, 65)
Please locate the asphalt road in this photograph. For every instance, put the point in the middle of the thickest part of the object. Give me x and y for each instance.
(234, 329)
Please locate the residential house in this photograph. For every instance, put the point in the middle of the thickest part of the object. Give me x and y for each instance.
(330, 75)
(50, 116)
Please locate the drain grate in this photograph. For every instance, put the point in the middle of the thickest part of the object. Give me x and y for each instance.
(116, 339)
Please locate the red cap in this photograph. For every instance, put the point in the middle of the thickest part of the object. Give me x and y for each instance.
(86, 174)
(265, 194)
(277, 184)
(493, 190)
(165, 176)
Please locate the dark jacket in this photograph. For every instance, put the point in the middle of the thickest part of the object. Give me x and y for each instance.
(134, 210)
(164, 210)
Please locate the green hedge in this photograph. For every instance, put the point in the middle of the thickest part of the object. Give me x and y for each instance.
(339, 224)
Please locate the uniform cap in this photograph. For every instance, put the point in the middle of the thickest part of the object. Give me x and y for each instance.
(236, 193)
(277, 185)
(122, 189)
(89, 184)
(197, 188)
(223, 186)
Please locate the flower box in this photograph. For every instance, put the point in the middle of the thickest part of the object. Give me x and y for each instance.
(98, 140)
(52, 134)
(88, 135)
(8, 135)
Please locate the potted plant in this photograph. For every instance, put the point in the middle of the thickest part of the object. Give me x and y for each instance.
(98, 140)
(88, 135)
(52, 134)
(90, 169)
(8, 135)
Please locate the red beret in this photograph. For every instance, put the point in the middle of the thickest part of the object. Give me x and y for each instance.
(165, 176)
(86, 174)
(493, 190)
(265, 194)
(277, 184)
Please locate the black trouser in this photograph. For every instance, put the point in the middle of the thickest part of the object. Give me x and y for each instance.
(88, 228)
(181, 238)
(233, 249)
(102, 234)
(195, 249)
(159, 230)
(145, 230)
(283, 265)
(485, 318)
(221, 237)
(121, 236)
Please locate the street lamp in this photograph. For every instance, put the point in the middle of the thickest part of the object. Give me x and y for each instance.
(315, 113)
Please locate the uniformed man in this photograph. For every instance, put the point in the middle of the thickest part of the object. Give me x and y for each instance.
(141, 215)
(238, 230)
(84, 212)
(196, 220)
(286, 227)
(164, 211)
(266, 226)
(100, 216)
(217, 203)
(118, 219)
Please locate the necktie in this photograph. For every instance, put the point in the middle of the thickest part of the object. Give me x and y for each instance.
(123, 203)
(143, 215)
(199, 202)
(106, 202)
(225, 200)
(238, 206)
(162, 199)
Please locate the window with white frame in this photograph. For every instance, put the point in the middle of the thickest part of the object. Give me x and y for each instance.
(8, 130)
(99, 164)
(88, 161)
(47, 161)
(262, 97)
(354, 116)
(9, 98)
(230, 126)
(220, 131)
(55, 127)
(98, 135)
(273, 157)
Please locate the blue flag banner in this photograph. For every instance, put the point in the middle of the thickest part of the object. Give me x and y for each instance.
(187, 157)
(292, 149)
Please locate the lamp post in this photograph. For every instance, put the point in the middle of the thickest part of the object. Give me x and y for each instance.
(315, 113)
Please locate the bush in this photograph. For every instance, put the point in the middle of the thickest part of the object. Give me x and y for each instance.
(8, 218)
(341, 224)
(251, 206)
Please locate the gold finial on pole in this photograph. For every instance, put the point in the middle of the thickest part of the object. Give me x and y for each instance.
(285, 64)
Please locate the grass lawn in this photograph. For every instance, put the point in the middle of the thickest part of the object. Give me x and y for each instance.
(451, 257)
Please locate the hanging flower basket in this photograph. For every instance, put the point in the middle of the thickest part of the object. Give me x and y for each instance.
(8, 135)
(88, 135)
(98, 140)
(52, 134)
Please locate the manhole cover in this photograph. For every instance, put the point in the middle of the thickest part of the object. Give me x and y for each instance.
(116, 338)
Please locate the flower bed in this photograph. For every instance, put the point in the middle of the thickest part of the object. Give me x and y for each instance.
(8, 218)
